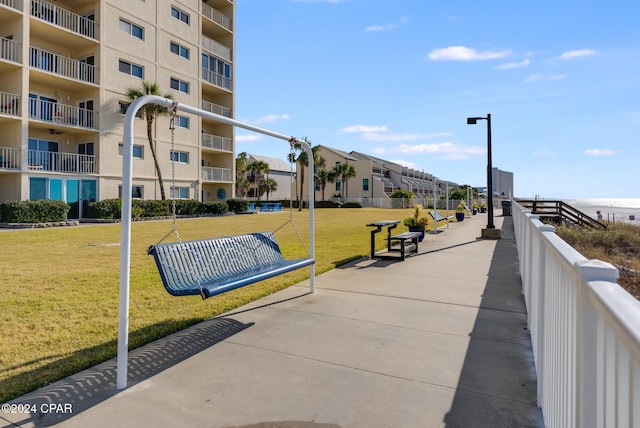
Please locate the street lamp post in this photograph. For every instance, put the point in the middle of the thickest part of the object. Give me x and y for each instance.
(489, 232)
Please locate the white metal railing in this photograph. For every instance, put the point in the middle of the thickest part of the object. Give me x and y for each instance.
(62, 114)
(217, 142)
(9, 104)
(216, 78)
(61, 162)
(216, 108)
(10, 50)
(9, 158)
(216, 174)
(216, 16)
(216, 48)
(63, 18)
(63, 66)
(15, 4)
(585, 331)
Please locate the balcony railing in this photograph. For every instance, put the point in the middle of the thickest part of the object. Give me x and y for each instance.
(9, 158)
(216, 78)
(9, 104)
(215, 108)
(216, 142)
(63, 18)
(218, 49)
(10, 50)
(216, 16)
(216, 174)
(61, 162)
(62, 66)
(62, 114)
(15, 4)
(585, 331)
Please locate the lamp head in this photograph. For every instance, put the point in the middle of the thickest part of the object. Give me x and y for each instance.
(471, 120)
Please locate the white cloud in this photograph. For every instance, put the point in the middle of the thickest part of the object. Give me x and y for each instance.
(387, 27)
(405, 163)
(248, 138)
(364, 128)
(446, 150)
(539, 77)
(374, 136)
(599, 152)
(577, 53)
(462, 53)
(270, 118)
(510, 65)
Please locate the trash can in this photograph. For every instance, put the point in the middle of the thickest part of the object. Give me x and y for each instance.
(506, 208)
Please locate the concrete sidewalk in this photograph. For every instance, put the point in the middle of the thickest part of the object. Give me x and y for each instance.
(437, 340)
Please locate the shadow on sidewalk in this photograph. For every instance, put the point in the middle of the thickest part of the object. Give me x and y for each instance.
(68, 397)
(497, 385)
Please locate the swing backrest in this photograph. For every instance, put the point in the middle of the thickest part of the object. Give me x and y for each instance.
(216, 265)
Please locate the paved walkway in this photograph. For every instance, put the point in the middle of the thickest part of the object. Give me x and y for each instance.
(438, 340)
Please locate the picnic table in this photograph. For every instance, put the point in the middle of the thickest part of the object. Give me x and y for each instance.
(389, 224)
(271, 206)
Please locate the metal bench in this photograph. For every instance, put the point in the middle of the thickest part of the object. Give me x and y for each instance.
(213, 266)
(439, 217)
(408, 242)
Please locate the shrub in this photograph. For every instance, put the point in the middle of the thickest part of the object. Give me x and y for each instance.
(155, 208)
(214, 207)
(352, 205)
(187, 207)
(107, 208)
(238, 205)
(41, 211)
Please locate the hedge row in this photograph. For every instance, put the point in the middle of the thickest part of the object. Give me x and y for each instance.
(41, 211)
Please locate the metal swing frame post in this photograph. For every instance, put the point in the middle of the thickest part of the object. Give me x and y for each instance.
(125, 234)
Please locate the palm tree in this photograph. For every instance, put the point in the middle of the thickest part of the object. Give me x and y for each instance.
(242, 184)
(150, 112)
(324, 176)
(257, 168)
(302, 160)
(344, 171)
(268, 185)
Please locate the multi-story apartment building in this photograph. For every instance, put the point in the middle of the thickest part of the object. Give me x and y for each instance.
(65, 68)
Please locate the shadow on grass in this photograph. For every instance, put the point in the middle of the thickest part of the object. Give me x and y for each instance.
(83, 390)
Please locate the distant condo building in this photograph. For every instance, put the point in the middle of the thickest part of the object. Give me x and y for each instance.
(502, 183)
(65, 68)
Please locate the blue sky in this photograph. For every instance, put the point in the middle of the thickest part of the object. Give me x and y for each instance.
(397, 79)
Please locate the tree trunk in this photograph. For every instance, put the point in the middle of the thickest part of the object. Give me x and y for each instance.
(301, 186)
(155, 158)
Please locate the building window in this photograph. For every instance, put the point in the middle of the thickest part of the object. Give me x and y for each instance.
(133, 29)
(365, 184)
(179, 193)
(179, 50)
(179, 85)
(132, 69)
(180, 15)
(338, 186)
(216, 71)
(136, 192)
(138, 151)
(180, 157)
(85, 149)
(123, 106)
(182, 122)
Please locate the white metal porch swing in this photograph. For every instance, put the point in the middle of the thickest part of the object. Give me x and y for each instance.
(167, 256)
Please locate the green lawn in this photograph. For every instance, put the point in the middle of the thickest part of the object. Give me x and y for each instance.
(59, 290)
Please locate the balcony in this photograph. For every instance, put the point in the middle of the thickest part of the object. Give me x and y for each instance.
(62, 66)
(9, 104)
(218, 49)
(14, 4)
(216, 174)
(216, 142)
(63, 18)
(215, 108)
(71, 163)
(62, 114)
(217, 17)
(9, 158)
(10, 50)
(216, 79)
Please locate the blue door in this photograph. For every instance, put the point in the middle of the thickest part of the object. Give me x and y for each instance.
(73, 198)
(89, 194)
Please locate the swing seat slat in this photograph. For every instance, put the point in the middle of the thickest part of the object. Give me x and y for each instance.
(216, 265)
